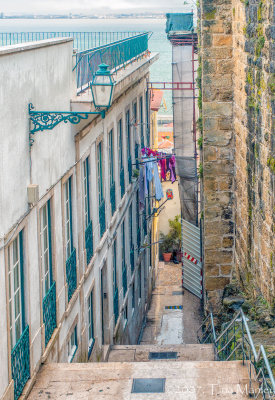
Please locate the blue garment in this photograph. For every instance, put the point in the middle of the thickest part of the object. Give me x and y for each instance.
(141, 189)
(150, 168)
(158, 186)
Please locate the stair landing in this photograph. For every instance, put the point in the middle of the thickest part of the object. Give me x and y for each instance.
(193, 380)
(135, 353)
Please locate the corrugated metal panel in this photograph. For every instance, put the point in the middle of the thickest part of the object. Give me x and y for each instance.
(191, 272)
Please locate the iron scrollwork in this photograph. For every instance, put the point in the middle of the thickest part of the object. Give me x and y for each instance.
(47, 120)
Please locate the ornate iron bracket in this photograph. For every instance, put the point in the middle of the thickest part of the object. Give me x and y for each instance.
(47, 120)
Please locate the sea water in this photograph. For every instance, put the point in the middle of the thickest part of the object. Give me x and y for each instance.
(161, 71)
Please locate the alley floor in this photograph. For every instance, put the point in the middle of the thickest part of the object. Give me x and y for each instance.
(175, 315)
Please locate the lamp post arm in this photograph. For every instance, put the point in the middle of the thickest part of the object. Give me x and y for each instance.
(47, 120)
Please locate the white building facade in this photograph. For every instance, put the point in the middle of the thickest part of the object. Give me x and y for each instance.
(75, 277)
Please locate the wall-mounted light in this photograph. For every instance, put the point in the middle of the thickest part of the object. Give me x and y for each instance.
(102, 88)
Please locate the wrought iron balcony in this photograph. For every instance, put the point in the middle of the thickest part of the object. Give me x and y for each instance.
(20, 363)
(116, 305)
(132, 258)
(137, 155)
(89, 242)
(124, 280)
(102, 218)
(116, 55)
(49, 313)
(113, 197)
(122, 182)
(71, 276)
(130, 168)
(138, 238)
(82, 40)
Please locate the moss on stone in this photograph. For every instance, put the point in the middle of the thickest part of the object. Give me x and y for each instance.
(210, 15)
(271, 164)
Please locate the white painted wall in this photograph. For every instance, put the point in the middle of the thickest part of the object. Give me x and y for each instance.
(42, 73)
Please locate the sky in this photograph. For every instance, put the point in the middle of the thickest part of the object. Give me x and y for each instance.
(89, 6)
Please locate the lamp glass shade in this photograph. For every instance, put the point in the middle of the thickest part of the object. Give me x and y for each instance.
(102, 88)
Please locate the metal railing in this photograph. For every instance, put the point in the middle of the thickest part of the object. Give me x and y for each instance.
(124, 280)
(20, 363)
(82, 40)
(89, 242)
(71, 275)
(236, 343)
(117, 55)
(49, 313)
(137, 155)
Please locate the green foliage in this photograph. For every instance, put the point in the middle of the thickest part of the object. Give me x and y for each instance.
(171, 241)
(271, 84)
(259, 46)
(260, 12)
(201, 170)
(271, 164)
(200, 142)
(249, 77)
(200, 100)
(210, 15)
(200, 124)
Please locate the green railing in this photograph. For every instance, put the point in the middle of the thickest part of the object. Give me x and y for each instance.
(82, 40)
(71, 276)
(130, 168)
(122, 182)
(137, 155)
(102, 218)
(49, 313)
(235, 342)
(145, 225)
(116, 305)
(116, 55)
(113, 197)
(89, 242)
(132, 258)
(138, 238)
(20, 363)
(124, 280)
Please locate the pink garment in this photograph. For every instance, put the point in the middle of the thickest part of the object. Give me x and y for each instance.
(162, 163)
(172, 166)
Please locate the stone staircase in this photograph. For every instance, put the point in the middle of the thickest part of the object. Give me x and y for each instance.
(130, 374)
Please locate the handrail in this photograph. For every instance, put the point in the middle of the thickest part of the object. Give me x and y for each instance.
(228, 345)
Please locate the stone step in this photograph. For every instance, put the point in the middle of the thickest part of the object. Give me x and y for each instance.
(139, 353)
(198, 380)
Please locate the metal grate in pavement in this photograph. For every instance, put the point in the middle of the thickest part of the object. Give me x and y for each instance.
(163, 355)
(154, 385)
(173, 307)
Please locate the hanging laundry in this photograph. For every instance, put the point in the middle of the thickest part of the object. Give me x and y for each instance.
(150, 168)
(172, 165)
(162, 163)
(157, 182)
(141, 189)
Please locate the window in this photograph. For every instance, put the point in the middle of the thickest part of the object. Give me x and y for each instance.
(68, 218)
(86, 184)
(128, 130)
(139, 282)
(45, 242)
(135, 113)
(100, 173)
(111, 156)
(91, 338)
(141, 122)
(120, 145)
(16, 288)
(123, 255)
(72, 345)
(131, 225)
(133, 296)
(114, 266)
(125, 315)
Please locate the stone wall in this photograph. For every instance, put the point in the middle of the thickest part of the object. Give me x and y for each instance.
(254, 69)
(218, 146)
(238, 161)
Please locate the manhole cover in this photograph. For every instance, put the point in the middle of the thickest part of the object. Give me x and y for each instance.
(173, 307)
(164, 355)
(148, 385)
(178, 293)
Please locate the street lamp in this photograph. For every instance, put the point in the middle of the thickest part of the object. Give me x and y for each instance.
(102, 87)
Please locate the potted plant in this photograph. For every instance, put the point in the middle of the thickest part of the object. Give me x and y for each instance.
(166, 246)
